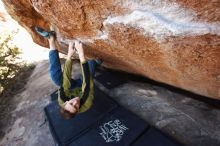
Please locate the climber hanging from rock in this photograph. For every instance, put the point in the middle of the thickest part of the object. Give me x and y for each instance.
(74, 96)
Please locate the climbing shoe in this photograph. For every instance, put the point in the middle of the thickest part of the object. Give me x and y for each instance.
(43, 32)
(98, 61)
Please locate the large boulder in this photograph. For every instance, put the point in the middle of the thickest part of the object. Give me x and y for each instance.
(174, 42)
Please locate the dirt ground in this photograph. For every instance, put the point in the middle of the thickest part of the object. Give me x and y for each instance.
(188, 120)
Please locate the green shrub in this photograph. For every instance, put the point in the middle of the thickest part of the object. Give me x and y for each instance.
(10, 64)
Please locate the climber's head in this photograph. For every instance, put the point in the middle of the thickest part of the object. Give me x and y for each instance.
(70, 108)
(65, 114)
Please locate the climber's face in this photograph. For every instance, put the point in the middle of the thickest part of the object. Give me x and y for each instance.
(72, 105)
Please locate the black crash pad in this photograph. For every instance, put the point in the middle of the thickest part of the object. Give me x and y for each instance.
(106, 123)
(64, 131)
(118, 128)
(108, 78)
(154, 137)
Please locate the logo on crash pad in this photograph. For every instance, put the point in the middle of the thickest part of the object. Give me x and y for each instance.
(112, 131)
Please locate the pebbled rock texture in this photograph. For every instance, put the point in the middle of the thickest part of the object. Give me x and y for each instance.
(176, 42)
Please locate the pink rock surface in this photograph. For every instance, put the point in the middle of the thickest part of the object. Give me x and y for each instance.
(174, 42)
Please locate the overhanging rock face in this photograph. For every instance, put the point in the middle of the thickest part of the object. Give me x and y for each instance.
(174, 42)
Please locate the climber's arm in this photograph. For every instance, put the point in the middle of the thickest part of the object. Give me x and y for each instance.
(87, 96)
(85, 70)
(68, 69)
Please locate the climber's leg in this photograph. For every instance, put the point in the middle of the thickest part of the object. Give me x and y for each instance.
(93, 64)
(55, 65)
